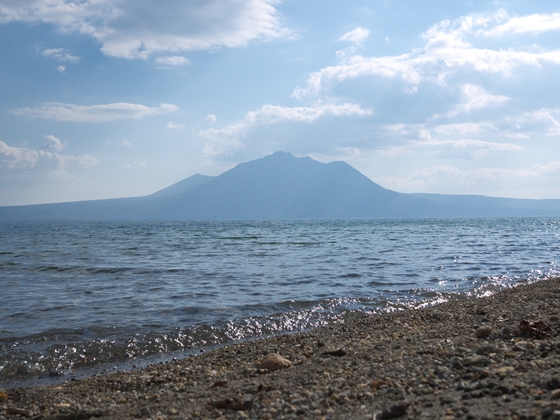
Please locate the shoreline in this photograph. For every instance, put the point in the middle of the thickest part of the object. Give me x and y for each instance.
(474, 357)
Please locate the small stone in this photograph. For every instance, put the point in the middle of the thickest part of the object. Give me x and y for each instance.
(555, 394)
(496, 393)
(377, 384)
(457, 365)
(483, 332)
(502, 370)
(18, 411)
(483, 374)
(273, 361)
(3, 396)
(337, 352)
(473, 361)
(485, 350)
(397, 410)
(219, 383)
(553, 384)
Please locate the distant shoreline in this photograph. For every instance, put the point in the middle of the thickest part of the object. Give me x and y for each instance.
(492, 356)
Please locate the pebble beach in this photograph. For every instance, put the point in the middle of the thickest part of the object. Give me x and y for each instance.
(492, 357)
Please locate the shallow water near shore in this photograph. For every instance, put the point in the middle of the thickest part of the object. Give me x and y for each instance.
(86, 297)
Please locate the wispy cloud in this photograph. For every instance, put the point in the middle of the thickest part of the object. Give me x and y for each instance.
(61, 54)
(172, 61)
(476, 97)
(273, 114)
(94, 113)
(451, 178)
(132, 29)
(172, 126)
(54, 143)
(357, 36)
(519, 25)
(517, 125)
(465, 149)
(224, 140)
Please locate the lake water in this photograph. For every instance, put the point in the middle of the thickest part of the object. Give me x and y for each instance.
(78, 297)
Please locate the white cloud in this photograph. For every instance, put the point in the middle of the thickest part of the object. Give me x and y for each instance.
(22, 158)
(61, 69)
(140, 28)
(54, 143)
(475, 97)
(450, 178)
(61, 54)
(448, 48)
(273, 114)
(210, 119)
(540, 121)
(465, 149)
(87, 161)
(172, 126)
(126, 143)
(18, 157)
(356, 36)
(94, 113)
(530, 24)
(172, 60)
(470, 128)
(475, 137)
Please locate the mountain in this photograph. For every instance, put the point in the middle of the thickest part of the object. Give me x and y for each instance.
(281, 186)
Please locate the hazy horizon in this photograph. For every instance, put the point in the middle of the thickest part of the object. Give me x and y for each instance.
(121, 99)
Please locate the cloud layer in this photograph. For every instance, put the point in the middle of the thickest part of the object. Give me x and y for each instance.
(93, 113)
(142, 28)
(51, 163)
(228, 137)
(449, 47)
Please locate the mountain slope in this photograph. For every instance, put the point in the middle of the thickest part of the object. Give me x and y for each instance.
(182, 186)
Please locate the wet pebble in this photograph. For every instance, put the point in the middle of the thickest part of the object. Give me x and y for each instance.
(483, 331)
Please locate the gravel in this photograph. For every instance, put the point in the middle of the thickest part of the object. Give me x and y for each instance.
(471, 358)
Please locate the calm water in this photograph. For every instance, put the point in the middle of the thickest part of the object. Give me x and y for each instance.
(81, 296)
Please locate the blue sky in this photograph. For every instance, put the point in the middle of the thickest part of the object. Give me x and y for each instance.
(116, 98)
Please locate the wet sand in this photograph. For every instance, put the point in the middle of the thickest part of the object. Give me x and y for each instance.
(470, 358)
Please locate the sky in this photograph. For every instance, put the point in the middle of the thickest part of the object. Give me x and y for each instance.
(120, 98)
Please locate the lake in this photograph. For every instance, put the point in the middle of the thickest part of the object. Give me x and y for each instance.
(78, 298)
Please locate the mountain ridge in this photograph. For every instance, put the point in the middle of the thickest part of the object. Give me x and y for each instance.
(282, 186)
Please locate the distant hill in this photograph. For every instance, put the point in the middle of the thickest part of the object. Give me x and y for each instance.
(281, 186)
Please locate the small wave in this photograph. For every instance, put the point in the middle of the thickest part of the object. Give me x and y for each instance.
(350, 275)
